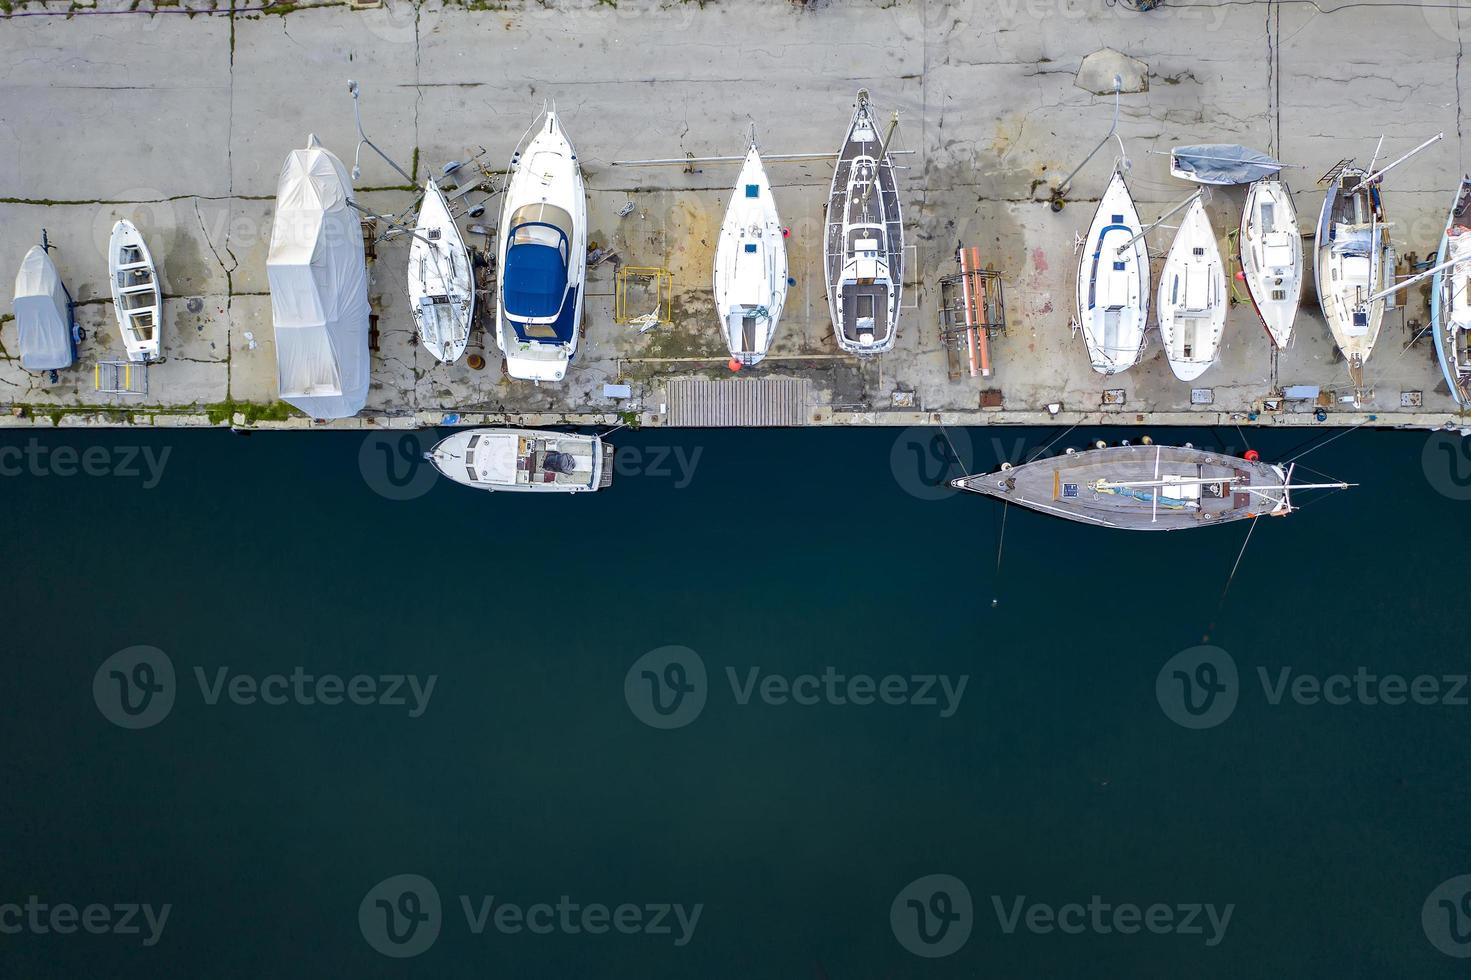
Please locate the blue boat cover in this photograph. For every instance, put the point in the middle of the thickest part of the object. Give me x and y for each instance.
(535, 279)
(563, 326)
(1222, 163)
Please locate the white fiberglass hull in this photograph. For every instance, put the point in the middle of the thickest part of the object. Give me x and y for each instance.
(545, 177)
(136, 297)
(1450, 298)
(1349, 264)
(750, 277)
(523, 460)
(1271, 256)
(441, 279)
(1192, 297)
(1113, 286)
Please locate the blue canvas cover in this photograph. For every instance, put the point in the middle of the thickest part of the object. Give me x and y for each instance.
(1221, 163)
(535, 279)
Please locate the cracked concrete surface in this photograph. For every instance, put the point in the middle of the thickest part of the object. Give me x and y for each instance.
(181, 123)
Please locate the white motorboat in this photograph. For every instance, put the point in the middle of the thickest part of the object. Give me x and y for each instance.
(750, 266)
(136, 297)
(524, 460)
(1113, 282)
(1271, 256)
(1192, 297)
(864, 240)
(441, 279)
(543, 256)
(1450, 297)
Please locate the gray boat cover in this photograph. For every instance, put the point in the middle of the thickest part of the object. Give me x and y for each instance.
(42, 314)
(1221, 163)
(319, 287)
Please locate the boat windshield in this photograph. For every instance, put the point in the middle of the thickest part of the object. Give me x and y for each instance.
(534, 281)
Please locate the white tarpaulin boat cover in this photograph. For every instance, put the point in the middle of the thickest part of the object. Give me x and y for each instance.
(319, 287)
(42, 314)
(1221, 163)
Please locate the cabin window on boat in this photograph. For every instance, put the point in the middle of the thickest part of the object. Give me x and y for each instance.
(530, 225)
(537, 331)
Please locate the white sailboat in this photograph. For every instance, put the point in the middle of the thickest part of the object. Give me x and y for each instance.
(750, 266)
(1351, 262)
(441, 279)
(1192, 297)
(863, 240)
(1271, 256)
(524, 460)
(543, 256)
(1450, 298)
(136, 298)
(1113, 282)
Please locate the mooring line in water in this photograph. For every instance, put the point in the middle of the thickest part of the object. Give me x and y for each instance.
(1239, 555)
(953, 453)
(1054, 440)
(1325, 442)
(1000, 541)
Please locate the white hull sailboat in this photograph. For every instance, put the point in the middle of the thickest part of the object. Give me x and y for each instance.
(136, 298)
(863, 240)
(750, 266)
(1351, 262)
(1450, 298)
(1192, 297)
(1271, 256)
(543, 256)
(524, 460)
(441, 279)
(1113, 285)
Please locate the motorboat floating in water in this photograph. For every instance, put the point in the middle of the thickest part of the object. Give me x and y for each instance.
(863, 240)
(1271, 256)
(543, 256)
(1450, 298)
(47, 329)
(524, 460)
(1145, 487)
(1192, 296)
(1113, 282)
(750, 277)
(441, 279)
(136, 297)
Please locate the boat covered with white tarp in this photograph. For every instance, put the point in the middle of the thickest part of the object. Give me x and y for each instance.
(319, 287)
(43, 314)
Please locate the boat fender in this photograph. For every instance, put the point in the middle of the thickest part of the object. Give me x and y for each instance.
(734, 364)
(1252, 456)
(1146, 441)
(1071, 451)
(1124, 442)
(1189, 445)
(1100, 444)
(1005, 467)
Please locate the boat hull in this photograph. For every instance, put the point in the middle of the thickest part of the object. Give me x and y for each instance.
(1192, 297)
(1349, 258)
(441, 279)
(1113, 289)
(523, 460)
(1067, 486)
(545, 173)
(137, 299)
(750, 274)
(863, 241)
(1450, 298)
(1271, 257)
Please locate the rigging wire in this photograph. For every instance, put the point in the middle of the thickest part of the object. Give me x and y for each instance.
(1054, 440)
(1239, 555)
(1326, 441)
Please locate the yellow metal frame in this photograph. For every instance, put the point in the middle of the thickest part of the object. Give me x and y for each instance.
(663, 283)
(126, 373)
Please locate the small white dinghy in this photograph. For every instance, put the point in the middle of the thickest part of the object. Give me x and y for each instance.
(135, 294)
(524, 460)
(750, 266)
(1113, 286)
(1192, 297)
(441, 279)
(1271, 256)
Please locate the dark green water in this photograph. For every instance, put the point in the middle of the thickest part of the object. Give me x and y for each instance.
(528, 776)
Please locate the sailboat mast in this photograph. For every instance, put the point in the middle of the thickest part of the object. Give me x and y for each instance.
(1379, 174)
(883, 155)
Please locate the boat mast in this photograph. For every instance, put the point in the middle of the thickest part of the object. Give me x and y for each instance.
(1160, 220)
(1059, 192)
(879, 161)
(1379, 174)
(357, 113)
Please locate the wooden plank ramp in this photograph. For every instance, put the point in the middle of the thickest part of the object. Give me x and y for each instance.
(703, 402)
